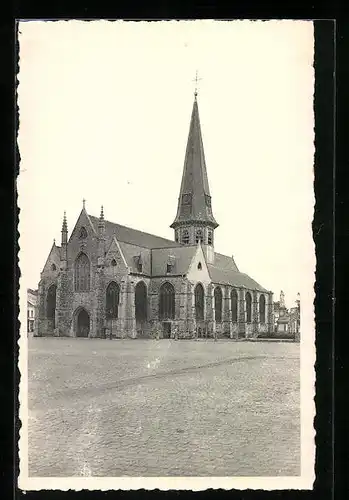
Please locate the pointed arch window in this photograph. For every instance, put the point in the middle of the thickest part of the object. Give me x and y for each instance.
(199, 266)
(176, 236)
(113, 263)
(53, 267)
(83, 233)
(218, 304)
(112, 300)
(82, 273)
(199, 301)
(51, 302)
(248, 307)
(141, 301)
(199, 236)
(167, 302)
(185, 237)
(210, 237)
(262, 309)
(234, 305)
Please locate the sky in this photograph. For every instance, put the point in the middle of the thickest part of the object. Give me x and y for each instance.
(104, 110)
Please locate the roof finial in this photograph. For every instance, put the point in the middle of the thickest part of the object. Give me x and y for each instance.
(196, 84)
(84, 203)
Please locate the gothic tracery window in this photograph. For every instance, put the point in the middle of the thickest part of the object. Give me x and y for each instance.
(112, 300)
(167, 302)
(82, 273)
(262, 309)
(218, 304)
(234, 305)
(248, 307)
(83, 233)
(141, 301)
(51, 302)
(199, 301)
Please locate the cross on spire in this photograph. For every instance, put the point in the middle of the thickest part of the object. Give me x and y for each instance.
(196, 80)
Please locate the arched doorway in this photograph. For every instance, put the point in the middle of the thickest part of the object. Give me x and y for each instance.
(51, 306)
(82, 323)
(141, 303)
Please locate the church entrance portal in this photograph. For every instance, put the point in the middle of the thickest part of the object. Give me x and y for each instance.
(166, 330)
(82, 324)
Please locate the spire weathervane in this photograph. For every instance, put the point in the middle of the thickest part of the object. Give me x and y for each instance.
(196, 80)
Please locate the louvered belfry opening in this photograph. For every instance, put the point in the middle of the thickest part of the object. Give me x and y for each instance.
(167, 301)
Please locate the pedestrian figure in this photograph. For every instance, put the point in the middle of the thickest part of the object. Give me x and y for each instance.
(157, 335)
(175, 333)
(215, 335)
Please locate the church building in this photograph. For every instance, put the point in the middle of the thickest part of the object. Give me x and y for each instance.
(110, 280)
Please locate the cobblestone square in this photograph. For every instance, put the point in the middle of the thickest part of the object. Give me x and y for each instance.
(163, 408)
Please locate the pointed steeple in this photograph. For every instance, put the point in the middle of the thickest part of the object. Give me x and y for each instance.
(194, 202)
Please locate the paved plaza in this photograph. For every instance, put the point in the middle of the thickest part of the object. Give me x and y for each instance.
(163, 408)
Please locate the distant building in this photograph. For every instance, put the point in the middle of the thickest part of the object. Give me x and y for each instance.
(32, 299)
(287, 321)
(294, 323)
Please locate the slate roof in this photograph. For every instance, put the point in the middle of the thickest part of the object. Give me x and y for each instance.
(234, 278)
(157, 250)
(133, 236)
(183, 256)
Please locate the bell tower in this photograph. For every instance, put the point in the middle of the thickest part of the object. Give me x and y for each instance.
(194, 221)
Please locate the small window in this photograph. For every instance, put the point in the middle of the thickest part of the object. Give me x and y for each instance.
(53, 267)
(185, 237)
(83, 234)
(169, 268)
(208, 200)
(199, 266)
(186, 199)
(210, 237)
(139, 267)
(113, 263)
(176, 236)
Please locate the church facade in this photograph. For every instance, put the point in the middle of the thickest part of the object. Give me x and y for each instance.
(110, 280)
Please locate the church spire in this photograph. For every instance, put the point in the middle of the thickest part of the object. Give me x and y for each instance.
(194, 202)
